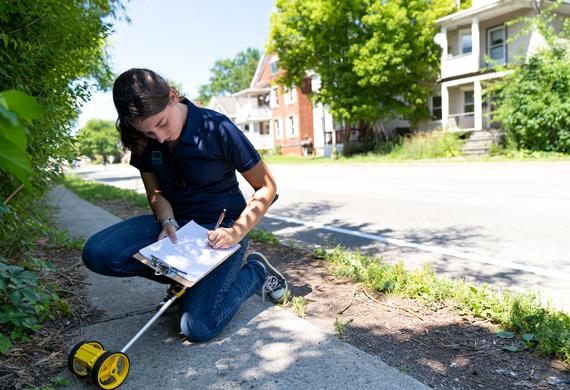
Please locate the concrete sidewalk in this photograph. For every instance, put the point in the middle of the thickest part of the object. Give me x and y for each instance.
(263, 347)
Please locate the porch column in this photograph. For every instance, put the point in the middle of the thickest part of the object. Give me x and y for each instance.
(443, 44)
(444, 106)
(475, 44)
(478, 119)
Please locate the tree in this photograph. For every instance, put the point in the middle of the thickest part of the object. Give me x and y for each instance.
(230, 75)
(99, 138)
(375, 58)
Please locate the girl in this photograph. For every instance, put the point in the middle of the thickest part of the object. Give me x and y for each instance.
(187, 157)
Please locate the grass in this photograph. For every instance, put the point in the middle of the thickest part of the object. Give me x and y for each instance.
(538, 325)
(263, 236)
(435, 146)
(97, 192)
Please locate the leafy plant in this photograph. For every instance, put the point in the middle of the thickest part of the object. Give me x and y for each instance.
(16, 107)
(340, 327)
(25, 304)
(299, 306)
(263, 236)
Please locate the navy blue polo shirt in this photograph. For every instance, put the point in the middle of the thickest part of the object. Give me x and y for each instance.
(199, 180)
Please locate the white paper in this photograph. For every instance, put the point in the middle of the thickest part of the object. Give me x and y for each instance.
(191, 254)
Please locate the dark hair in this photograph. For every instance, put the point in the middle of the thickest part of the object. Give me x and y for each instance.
(138, 94)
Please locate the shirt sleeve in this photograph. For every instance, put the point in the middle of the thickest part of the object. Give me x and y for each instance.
(140, 161)
(236, 147)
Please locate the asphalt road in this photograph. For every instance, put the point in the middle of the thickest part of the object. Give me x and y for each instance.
(502, 223)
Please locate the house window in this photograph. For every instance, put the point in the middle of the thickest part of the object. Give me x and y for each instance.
(274, 97)
(274, 67)
(468, 103)
(496, 38)
(291, 126)
(277, 128)
(436, 107)
(264, 128)
(465, 46)
(290, 95)
(262, 100)
(246, 129)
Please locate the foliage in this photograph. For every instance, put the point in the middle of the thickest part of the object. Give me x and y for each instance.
(24, 305)
(263, 236)
(54, 51)
(230, 75)
(539, 325)
(533, 103)
(97, 192)
(14, 107)
(26, 299)
(436, 144)
(374, 58)
(99, 138)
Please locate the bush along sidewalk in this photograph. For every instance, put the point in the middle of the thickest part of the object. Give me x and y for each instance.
(522, 316)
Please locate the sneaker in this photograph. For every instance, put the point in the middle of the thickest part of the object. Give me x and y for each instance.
(275, 284)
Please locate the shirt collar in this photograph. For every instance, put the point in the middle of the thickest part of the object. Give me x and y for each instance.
(193, 123)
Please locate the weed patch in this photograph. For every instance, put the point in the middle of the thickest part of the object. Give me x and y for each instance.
(537, 325)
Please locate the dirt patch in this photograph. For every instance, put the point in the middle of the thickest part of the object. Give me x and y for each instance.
(35, 363)
(435, 345)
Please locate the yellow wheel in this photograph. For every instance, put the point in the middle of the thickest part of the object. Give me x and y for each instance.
(75, 366)
(110, 370)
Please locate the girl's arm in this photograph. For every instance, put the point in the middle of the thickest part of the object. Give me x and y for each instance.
(160, 206)
(260, 178)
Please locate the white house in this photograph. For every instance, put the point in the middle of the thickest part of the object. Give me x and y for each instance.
(472, 40)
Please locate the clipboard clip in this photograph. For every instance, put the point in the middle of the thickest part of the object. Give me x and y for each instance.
(161, 268)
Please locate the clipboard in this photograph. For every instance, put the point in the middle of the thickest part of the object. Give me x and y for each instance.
(164, 269)
(188, 261)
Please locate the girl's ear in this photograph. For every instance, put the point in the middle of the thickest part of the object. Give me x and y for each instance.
(173, 95)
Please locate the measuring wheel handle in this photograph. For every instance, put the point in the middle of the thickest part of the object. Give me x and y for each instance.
(110, 370)
(75, 363)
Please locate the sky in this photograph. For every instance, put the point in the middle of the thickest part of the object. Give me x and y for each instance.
(181, 40)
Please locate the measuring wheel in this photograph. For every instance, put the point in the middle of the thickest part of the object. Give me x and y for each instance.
(78, 367)
(110, 370)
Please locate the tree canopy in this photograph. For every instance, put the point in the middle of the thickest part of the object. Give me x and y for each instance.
(230, 75)
(99, 138)
(375, 58)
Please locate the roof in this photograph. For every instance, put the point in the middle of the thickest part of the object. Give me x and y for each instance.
(228, 104)
(490, 9)
(251, 92)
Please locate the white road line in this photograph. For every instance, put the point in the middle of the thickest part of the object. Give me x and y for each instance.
(429, 248)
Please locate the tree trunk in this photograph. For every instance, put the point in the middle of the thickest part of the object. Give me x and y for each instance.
(346, 137)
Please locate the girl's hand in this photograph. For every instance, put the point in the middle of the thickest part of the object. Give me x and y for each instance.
(168, 230)
(223, 238)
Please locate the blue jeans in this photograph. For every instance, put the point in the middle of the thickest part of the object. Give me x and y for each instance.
(207, 307)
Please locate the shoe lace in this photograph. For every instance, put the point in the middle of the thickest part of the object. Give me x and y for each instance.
(271, 284)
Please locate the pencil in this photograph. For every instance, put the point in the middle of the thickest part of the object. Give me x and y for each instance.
(222, 215)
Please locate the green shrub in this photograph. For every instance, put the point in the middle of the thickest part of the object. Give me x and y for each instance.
(435, 144)
(533, 103)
